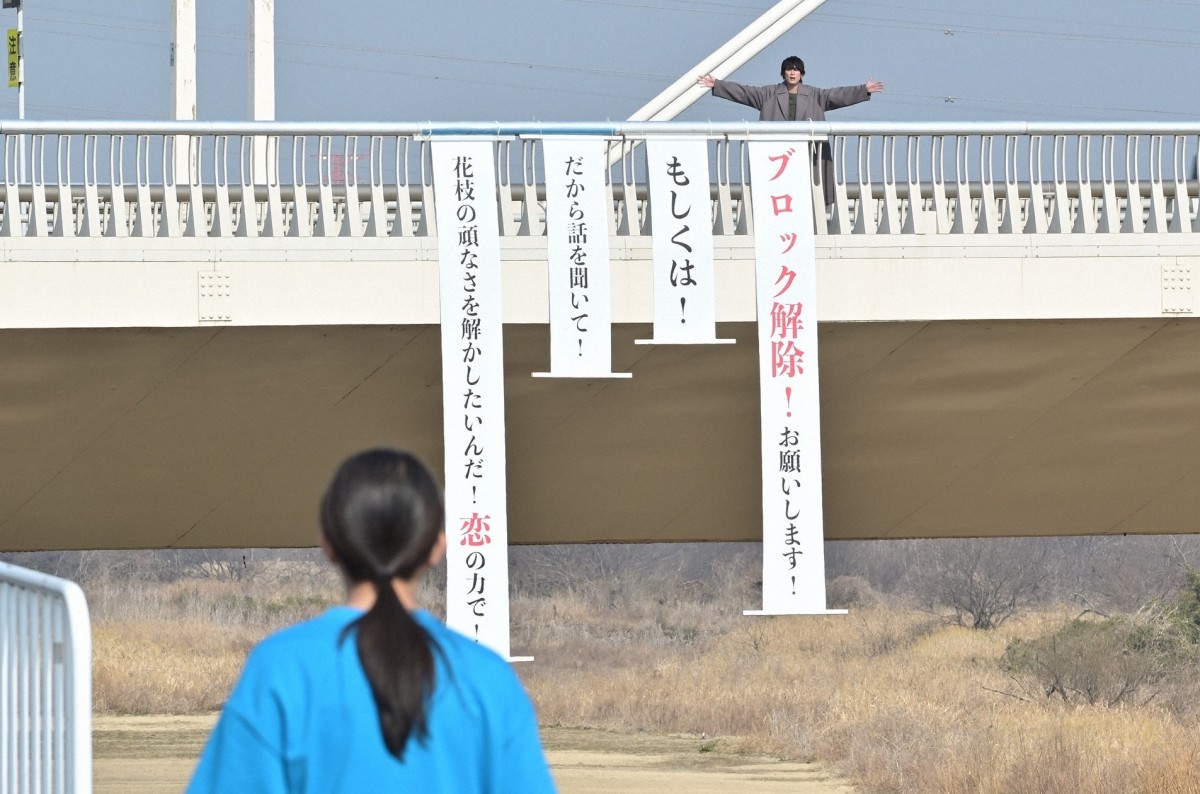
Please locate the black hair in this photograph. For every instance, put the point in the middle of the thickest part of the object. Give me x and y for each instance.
(791, 62)
(381, 515)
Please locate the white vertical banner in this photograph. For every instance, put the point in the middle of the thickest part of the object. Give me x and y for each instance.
(681, 219)
(477, 599)
(786, 288)
(577, 256)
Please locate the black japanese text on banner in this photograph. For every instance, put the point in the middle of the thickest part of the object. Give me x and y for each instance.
(577, 256)
(477, 601)
(785, 272)
(681, 219)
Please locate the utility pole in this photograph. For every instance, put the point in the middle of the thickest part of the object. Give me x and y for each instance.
(183, 81)
(262, 81)
(16, 56)
(262, 60)
(183, 60)
(16, 73)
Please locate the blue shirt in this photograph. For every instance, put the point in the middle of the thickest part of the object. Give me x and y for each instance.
(302, 719)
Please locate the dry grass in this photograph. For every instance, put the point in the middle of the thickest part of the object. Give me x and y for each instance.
(166, 667)
(178, 648)
(896, 703)
(888, 697)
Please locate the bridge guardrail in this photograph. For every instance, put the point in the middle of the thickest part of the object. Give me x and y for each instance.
(269, 179)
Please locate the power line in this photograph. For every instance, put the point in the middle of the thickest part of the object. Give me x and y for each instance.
(733, 10)
(110, 40)
(120, 115)
(699, 6)
(1072, 22)
(1033, 34)
(571, 68)
(142, 28)
(821, 16)
(540, 88)
(479, 61)
(1054, 105)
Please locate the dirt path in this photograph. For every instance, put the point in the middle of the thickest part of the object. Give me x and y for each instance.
(156, 754)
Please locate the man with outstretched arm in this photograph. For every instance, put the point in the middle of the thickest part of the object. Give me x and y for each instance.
(792, 100)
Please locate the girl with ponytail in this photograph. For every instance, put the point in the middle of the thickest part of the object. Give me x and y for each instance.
(376, 694)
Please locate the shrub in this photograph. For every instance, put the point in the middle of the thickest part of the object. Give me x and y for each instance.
(850, 591)
(1186, 611)
(1107, 662)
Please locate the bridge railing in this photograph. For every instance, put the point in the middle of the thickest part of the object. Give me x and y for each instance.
(45, 684)
(168, 179)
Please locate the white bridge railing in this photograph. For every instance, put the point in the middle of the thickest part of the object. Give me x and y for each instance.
(45, 685)
(270, 179)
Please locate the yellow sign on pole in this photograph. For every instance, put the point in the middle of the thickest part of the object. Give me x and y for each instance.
(14, 58)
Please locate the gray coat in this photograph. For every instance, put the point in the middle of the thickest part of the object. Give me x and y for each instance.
(771, 101)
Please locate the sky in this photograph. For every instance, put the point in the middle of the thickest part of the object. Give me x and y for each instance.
(601, 60)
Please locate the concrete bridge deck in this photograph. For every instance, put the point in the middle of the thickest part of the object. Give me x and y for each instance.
(1006, 347)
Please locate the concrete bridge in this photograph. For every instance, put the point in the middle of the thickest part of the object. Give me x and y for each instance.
(198, 320)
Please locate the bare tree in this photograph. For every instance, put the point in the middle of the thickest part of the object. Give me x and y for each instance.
(984, 582)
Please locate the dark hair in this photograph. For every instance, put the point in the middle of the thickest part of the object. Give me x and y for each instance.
(381, 516)
(791, 62)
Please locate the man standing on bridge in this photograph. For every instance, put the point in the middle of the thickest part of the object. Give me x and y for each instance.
(791, 100)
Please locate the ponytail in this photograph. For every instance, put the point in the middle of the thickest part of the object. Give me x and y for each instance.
(397, 658)
(382, 515)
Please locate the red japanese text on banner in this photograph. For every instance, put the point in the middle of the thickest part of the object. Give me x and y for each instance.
(577, 256)
(477, 599)
(785, 271)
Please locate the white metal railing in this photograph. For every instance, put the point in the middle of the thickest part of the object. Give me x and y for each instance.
(271, 179)
(45, 685)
